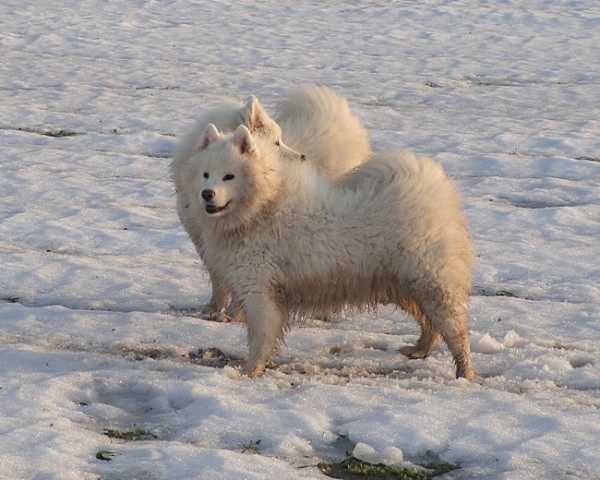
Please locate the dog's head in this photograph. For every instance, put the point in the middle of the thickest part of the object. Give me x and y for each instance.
(235, 174)
(260, 124)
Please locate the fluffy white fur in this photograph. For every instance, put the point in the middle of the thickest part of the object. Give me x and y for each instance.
(316, 121)
(286, 241)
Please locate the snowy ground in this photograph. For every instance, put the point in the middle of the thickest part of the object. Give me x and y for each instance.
(98, 281)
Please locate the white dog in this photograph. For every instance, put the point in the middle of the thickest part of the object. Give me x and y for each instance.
(286, 241)
(314, 120)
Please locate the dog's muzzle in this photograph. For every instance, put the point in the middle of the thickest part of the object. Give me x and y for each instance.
(210, 208)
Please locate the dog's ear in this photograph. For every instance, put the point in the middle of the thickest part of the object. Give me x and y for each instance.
(256, 118)
(211, 135)
(242, 139)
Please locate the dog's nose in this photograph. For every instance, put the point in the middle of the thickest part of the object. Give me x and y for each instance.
(302, 157)
(208, 195)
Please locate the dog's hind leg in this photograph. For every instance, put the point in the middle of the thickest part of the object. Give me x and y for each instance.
(449, 317)
(220, 295)
(430, 338)
(266, 324)
(219, 307)
(219, 299)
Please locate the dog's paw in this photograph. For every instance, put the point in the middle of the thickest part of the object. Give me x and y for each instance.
(210, 309)
(210, 312)
(414, 353)
(233, 315)
(258, 369)
(254, 371)
(468, 373)
(225, 315)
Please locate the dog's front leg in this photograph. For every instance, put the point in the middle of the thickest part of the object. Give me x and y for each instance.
(266, 324)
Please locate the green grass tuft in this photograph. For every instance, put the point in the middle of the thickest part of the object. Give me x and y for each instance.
(440, 468)
(355, 469)
(105, 455)
(251, 447)
(130, 436)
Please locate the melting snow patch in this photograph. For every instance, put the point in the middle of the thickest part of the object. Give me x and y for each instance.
(513, 339)
(485, 344)
(388, 456)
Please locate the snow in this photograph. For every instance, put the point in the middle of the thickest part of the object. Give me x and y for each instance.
(99, 285)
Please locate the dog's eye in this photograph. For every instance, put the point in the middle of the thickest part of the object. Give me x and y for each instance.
(277, 143)
(229, 176)
(205, 174)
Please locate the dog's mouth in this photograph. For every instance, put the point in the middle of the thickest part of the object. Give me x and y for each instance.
(214, 209)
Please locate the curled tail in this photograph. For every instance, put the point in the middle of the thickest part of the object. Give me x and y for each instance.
(318, 122)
